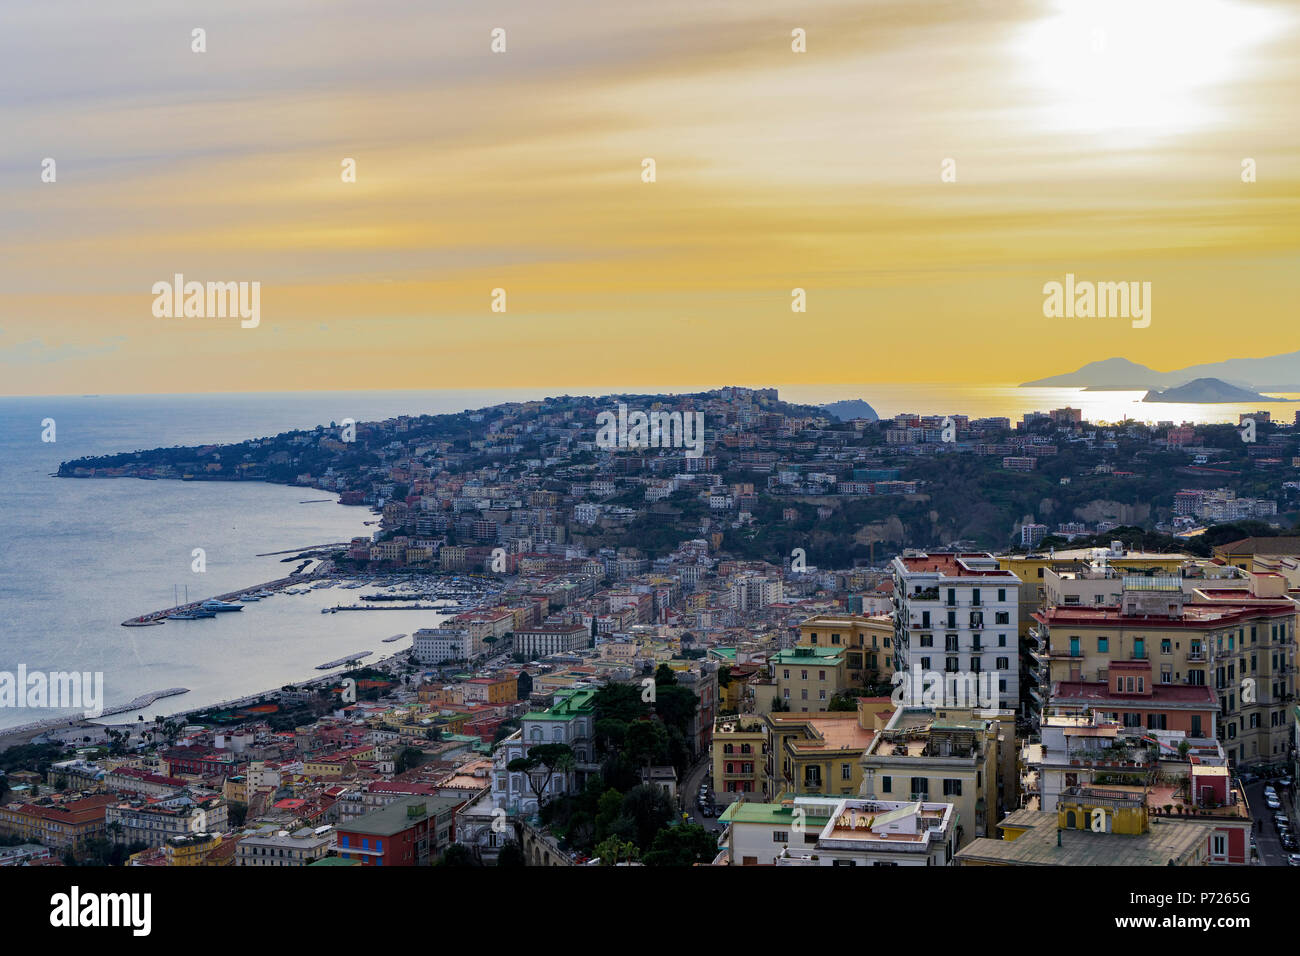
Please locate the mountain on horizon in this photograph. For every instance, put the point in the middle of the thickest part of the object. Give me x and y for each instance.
(1207, 391)
(851, 408)
(1279, 373)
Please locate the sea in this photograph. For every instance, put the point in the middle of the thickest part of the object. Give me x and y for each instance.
(79, 556)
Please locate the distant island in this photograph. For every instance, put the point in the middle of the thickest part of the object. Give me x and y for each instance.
(850, 409)
(1208, 391)
(1108, 374)
(1280, 373)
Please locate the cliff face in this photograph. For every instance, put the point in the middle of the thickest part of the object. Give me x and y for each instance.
(1100, 510)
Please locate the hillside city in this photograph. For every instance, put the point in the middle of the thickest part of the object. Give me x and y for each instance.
(806, 640)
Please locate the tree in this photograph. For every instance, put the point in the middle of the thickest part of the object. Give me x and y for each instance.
(457, 855)
(613, 851)
(676, 706)
(542, 762)
(664, 676)
(682, 846)
(646, 743)
(525, 686)
(649, 809)
(510, 854)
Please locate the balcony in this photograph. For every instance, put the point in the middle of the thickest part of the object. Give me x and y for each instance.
(1196, 655)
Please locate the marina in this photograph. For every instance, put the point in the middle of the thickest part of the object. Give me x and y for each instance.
(210, 607)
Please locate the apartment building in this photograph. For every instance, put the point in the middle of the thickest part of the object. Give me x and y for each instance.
(836, 831)
(282, 848)
(867, 642)
(740, 759)
(440, 645)
(821, 754)
(60, 826)
(880, 833)
(1128, 835)
(1216, 662)
(958, 613)
(152, 824)
(413, 831)
(546, 639)
(808, 677)
(919, 756)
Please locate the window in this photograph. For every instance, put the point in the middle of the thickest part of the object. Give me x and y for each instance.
(1002, 594)
(1002, 640)
(1002, 663)
(780, 836)
(952, 788)
(1103, 645)
(846, 771)
(886, 784)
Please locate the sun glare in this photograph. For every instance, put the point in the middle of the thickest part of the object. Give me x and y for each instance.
(1141, 67)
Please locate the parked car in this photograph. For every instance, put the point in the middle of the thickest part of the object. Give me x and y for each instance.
(1273, 803)
(1284, 781)
(1293, 859)
(1269, 791)
(1289, 842)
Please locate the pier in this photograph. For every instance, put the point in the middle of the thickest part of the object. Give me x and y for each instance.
(402, 607)
(350, 659)
(159, 617)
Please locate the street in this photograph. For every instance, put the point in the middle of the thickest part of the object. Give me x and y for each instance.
(1270, 850)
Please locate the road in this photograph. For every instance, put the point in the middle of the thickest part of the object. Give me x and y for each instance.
(1270, 850)
(690, 791)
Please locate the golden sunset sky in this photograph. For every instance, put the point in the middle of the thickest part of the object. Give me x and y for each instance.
(1100, 137)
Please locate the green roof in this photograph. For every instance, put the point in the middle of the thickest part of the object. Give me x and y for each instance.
(394, 818)
(774, 813)
(793, 655)
(572, 703)
(335, 861)
(727, 652)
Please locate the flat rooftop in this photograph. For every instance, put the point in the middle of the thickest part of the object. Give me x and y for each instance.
(1166, 840)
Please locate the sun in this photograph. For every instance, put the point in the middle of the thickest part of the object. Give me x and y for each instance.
(1141, 68)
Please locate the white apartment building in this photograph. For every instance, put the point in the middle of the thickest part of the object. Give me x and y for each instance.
(437, 645)
(958, 613)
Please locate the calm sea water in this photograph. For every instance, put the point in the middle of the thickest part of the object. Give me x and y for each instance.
(81, 556)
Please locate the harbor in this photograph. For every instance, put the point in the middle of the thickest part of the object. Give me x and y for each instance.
(192, 609)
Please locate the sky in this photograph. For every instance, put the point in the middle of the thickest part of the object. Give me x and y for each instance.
(921, 171)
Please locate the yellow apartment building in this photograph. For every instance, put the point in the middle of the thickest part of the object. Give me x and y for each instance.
(867, 642)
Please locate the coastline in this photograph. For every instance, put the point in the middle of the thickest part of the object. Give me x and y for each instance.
(27, 733)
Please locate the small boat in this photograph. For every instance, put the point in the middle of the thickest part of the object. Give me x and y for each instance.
(265, 593)
(195, 615)
(250, 597)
